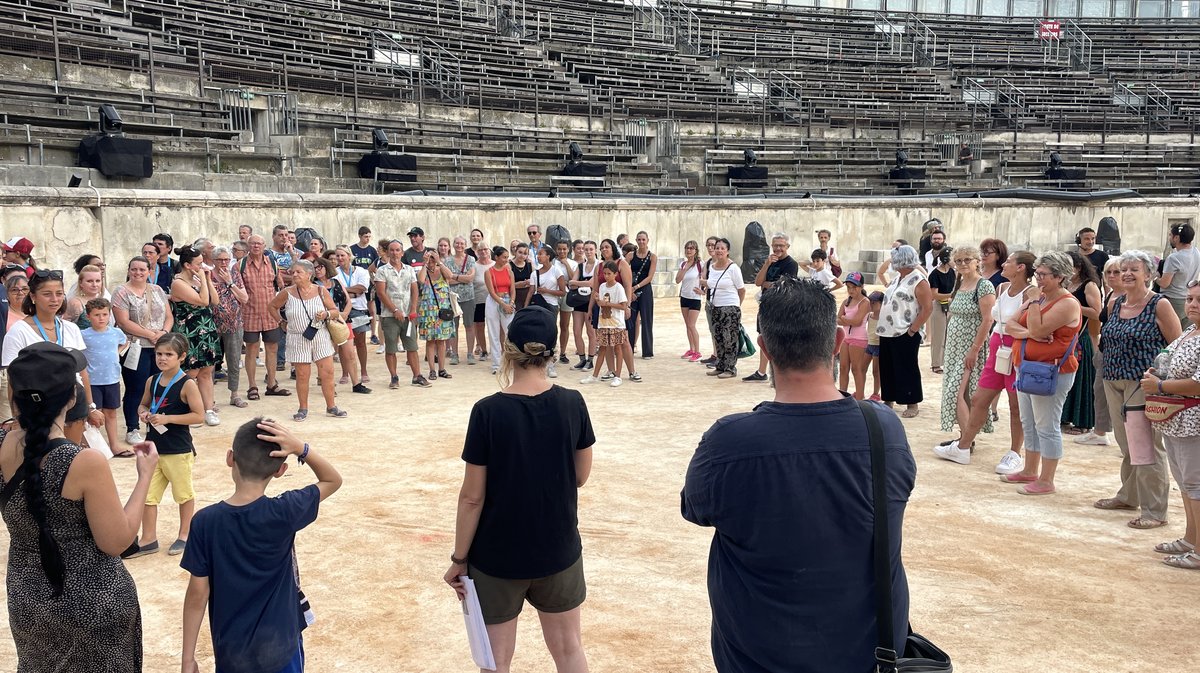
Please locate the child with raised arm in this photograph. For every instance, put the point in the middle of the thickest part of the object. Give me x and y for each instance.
(614, 306)
(241, 557)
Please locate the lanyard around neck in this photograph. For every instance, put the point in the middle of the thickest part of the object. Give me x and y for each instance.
(58, 337)
(157, 402)
(346, 276)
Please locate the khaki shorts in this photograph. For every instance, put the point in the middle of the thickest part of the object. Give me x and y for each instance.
(174, 469)
(501, 600)
(395, 335)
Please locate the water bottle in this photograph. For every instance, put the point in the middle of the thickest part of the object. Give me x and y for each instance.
(1162, 364)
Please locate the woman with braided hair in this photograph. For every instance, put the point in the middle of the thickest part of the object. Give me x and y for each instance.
(72, 606)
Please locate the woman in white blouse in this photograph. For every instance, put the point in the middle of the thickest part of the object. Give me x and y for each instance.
(726, 290)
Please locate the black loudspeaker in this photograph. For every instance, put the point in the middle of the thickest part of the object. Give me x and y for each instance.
(399, 167)
(110, 119)
(117, 156)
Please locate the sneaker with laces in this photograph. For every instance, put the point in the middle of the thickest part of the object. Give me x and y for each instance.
(635, 377)
(395, 383)
(470, 359)
(563, 359)
(607, 376)
(756, 376)
(211, 418)
(616, 382)
(953, 453)
(694, 357)
(454, 358)
(134, 437)
(686, 356)
(361, 389)
(710, 360)
(421, 381)
(1011, 463)
(374, 340)
(581, 365)
(1092, 439)
(588, 379)
(379, 351)
(552, 374)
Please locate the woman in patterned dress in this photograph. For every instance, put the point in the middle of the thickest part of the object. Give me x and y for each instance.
(433, 279)
(907, 305)
(193, 293)
(1181, 432)
(72, 605)
(308, 303)
(966, 336)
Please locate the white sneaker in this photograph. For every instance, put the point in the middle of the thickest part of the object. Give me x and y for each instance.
(616, 382)
(588, 379)
(552, 374)
(1011, 463)
(1092, 439)
(134, 437)
(211, 418)
(952, 452)
(379, 351)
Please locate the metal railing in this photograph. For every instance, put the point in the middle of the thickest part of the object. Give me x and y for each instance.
(1079, 46)
(999, 94)
(922, 39)
(891, 32)
(1159, 107)
(442, 70)
(649, 23)
(689, 37)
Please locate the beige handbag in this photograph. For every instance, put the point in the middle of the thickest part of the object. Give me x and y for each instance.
(338, 331)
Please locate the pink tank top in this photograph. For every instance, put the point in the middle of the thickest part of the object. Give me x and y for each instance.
(857, 333)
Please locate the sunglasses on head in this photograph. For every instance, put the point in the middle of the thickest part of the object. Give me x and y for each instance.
(1193, 283)
(48, 274)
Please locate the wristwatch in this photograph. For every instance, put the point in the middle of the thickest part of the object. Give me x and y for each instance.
(92, 407)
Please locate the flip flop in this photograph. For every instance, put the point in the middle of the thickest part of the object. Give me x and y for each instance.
(276, 391)
(252, 394)
(129, 454)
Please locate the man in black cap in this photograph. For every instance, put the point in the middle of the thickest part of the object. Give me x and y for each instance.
(415, 255)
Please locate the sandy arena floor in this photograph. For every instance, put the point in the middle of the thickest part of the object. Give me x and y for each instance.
(1001, 581)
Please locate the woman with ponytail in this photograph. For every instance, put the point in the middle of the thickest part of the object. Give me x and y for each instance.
(72, 606)
(194, 295)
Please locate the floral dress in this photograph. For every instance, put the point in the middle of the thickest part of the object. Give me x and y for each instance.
(204, 341)
(430, 327)
(965, 318)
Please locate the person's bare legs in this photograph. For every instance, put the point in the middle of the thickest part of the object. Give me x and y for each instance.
(1046, 476)
(603, 357)
(186, 510)
(564, 638)
(627, 351)
(149, 525)
(204, 381)
(962, 406)
(874, 375)
(564, 331)
(250, 365)
(1015, 430)
(977, 416)
(503, 638)
(325, 374)
(269, 360)
(414, 363)
(303, 372)
(350, 362)
(360, 346)
(1033, 461)
(693, 335)
(843, 367)
(858, 364)
(110, 428)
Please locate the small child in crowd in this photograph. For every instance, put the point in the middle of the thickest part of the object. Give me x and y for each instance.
(242, 557)
(876, 298)
(820, 272)
(170, 405)
(104, 347)
(611, 333)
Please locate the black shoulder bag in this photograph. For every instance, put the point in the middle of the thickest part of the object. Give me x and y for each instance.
(443, 314)
(919, 655)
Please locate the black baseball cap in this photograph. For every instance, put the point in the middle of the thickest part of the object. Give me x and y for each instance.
(534, 325)
(80, 410)
(44, 369)
(416, 231)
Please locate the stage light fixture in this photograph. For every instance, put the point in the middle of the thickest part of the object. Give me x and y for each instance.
(901, 158)
(379, 140)
(110, 120)
(575, 152)
(749, 158)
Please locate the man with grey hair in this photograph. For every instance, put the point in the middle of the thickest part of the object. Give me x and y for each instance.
(779, 264)
(790, 576)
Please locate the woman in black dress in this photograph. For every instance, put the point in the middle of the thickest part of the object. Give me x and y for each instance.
(72, 606)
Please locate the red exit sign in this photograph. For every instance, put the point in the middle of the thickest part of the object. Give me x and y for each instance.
(1049, 30)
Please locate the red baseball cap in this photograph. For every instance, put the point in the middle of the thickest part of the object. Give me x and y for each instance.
(20, 245)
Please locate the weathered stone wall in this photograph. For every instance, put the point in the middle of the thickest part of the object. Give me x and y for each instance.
(65, 223)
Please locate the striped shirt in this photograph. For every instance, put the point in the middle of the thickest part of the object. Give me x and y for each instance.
(259, 280)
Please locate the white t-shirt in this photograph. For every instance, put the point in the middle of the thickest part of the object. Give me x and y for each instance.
(615, 294)
(548, 281)
(1185, 265)
(691, 281)
(724, 284)
(22, 335)
(356, 276)
(567, 267)
(824, 277)
(481, 269)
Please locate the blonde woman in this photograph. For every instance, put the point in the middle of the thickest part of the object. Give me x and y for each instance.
(967, 332)
(89, 286)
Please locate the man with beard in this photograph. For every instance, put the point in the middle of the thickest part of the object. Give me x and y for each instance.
(937, 241)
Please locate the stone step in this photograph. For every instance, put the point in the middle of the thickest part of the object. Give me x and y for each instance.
(874, 256)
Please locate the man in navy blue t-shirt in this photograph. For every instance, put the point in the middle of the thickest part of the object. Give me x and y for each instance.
(242, 561)
(788, 489)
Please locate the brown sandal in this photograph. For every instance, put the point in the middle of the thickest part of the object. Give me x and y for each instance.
(237, 402)
(276, 391)
(1111, 503)
(1145, 523)
(252, 394)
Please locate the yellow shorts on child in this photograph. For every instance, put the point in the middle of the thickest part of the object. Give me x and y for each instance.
(174, 469)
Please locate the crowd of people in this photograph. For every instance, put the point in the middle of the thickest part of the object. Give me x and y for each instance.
(1082, 343)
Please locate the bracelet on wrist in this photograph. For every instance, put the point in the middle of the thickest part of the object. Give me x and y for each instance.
(300, 457)
(458, 561)
(1160, 388)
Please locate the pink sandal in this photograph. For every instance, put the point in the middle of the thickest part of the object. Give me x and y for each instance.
(1035, 489)
(1018, 478)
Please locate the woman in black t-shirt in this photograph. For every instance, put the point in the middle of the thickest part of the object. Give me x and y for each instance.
(941, 281)
(517, 534)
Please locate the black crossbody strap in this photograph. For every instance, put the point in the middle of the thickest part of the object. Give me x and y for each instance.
(885, 653)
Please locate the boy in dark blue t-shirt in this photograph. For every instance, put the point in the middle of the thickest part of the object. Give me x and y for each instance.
(240, 554)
